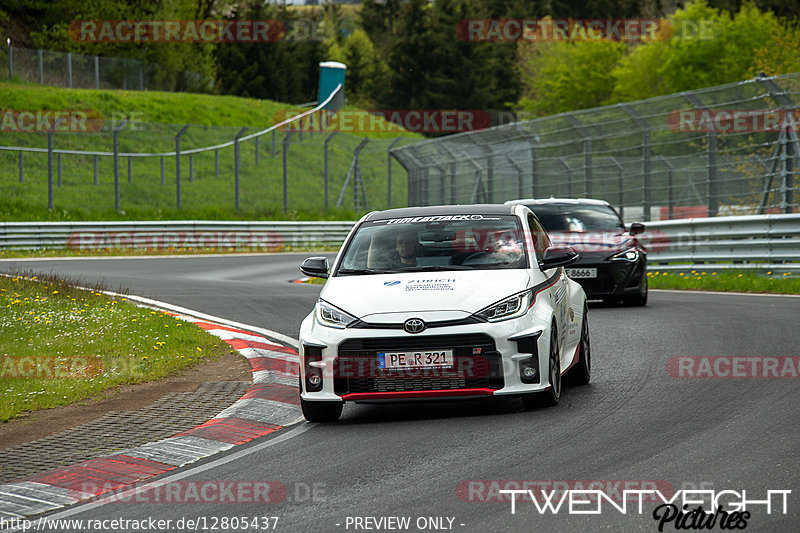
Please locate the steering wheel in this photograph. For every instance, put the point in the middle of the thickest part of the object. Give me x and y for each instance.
(475, 257)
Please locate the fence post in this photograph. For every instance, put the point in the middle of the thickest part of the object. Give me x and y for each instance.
(353, 172)
(162, 170)
(216, 163)
(286, 171)
(670, 197)
(389, 172)
(10, 61)
(256, 139)
(178, 164)
(520, 188)
(301, 128)
(21, 166)
(534, 169)
(646, 156)
(41, 68)
(96, 72)
(236, 164)
(191, 168)
(69, 69)
(116, 164)
(58, 164)
(621, 191)
(50, 163)
(95, 170)
(327, 140)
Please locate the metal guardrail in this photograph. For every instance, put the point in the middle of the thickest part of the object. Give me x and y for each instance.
(764, 242)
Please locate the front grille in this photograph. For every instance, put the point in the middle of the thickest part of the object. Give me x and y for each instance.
(476, 365)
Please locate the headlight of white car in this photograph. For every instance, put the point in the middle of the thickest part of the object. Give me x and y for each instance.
(631, 254)
(332, 316)
(512, 307)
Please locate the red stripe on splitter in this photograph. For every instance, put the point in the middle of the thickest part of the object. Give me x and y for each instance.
(394, 395)
(240, 344)
(98, 476)
(231, 430)
(274, 391)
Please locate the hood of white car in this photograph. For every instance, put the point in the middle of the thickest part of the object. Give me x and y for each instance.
(445, 295)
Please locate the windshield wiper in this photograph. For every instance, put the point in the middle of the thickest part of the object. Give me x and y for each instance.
(360, 271)
(435, 268)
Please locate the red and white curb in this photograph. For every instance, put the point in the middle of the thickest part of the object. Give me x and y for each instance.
(269, 405)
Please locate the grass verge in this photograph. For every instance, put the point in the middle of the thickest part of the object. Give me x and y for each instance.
(61, 345)
(777, 282)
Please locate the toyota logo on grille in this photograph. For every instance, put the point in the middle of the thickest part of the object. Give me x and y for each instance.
(414, 325)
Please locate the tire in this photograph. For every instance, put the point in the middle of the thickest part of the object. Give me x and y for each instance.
(551, 396)
(321, 411)
(638, 300)
(581, 373)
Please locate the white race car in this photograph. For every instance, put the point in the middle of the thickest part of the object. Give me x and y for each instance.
(443, 302)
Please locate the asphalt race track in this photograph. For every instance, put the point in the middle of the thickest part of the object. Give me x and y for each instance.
(634, 422)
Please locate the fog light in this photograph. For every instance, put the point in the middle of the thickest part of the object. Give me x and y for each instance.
(529, 371)
(314, 380)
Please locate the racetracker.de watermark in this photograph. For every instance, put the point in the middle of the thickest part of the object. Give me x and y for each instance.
(388, 120)
(733, 367)
(44, 367)
(176, 240)
(177, 31)
(733, 120)
(42, 121)
(505, 490)
(509, 30)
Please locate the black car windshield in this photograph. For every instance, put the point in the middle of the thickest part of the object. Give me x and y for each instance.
(577, 218)
(435, 243)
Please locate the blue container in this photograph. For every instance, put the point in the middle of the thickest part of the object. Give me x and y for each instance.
(331, 75)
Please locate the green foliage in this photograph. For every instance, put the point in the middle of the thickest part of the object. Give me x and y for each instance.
(562, 76)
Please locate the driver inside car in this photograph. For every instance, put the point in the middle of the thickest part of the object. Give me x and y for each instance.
(407, 247)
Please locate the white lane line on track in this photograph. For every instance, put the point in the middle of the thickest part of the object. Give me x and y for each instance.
(182, 310)
(777, 294)
(80, 508)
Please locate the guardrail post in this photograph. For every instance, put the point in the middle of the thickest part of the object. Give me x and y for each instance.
(50, 163)
(178, 164)
(116, 164)
(58, 164)
(162, 170)
(286, 171)
(216, 163)
(389, 172)
(130, 170)
(236, 164)
(21, 166)
(95, 163)
(328, 140)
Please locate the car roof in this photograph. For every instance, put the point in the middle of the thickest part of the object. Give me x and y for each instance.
(556, 201)
(471, 209)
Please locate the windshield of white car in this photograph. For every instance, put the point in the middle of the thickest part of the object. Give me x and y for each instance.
(435, 243)
(577, 218)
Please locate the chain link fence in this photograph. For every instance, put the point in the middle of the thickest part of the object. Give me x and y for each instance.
(137, 167)
(724, 150)
(77, 71)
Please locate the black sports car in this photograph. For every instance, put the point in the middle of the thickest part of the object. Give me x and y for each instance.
(613, 263)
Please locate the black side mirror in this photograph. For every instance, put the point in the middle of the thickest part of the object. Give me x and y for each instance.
(315, 267)
(557, 256)
(637, 228)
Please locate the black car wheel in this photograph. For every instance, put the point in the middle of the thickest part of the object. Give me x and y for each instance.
(321, 411)
(581, 373)
(637, 300)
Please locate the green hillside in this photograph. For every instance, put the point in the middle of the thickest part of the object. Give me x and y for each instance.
(155, 119)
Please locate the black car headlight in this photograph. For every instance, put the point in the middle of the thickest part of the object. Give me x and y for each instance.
(512, 307)
(331, 316)
(631, 255)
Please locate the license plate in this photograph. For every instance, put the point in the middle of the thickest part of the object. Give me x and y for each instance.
(414, 359)
(582, 272)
